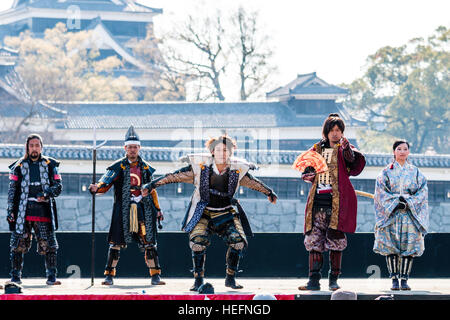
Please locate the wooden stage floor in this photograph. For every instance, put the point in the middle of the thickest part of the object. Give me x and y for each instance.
(178, 288)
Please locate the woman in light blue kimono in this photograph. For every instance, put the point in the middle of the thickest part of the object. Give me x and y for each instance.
(401, 215)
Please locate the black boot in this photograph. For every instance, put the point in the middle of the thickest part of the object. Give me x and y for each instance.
(232, 260)
(152, 261)
(156, 280)
(230, 281)
(335, 270)
(16, 266)
(332, 281)
(197, 283)
(108, 280)
(198, 261)
(404, 284)
(392, 262)
(111, 263)
(405, 270)
(51, 280)
(50, 266)
(315, 266)
(395, 285)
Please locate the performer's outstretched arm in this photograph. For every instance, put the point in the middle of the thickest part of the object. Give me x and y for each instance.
(106, 182)
(253, 183)
(184, 175)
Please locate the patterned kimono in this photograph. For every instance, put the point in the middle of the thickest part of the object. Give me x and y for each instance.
(397, 231)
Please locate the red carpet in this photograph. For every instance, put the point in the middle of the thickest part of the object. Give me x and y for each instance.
(136, 297)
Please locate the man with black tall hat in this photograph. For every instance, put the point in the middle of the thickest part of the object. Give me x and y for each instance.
(134, 217)
(34, 182)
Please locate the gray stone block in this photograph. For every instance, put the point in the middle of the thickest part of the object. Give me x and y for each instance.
(179, 214)
(86, 219)
(288, 218)
(68, 225)
(177, 205)
(288, 207)
(271, 220)
(274, 209)
(68, 214)
(85, 204)
(261, 207)
(4, 226)
(102, 204)
(437, 218)
(170, 225)
(249, 205)
(301, 207)
(271, 228)
(85, 227)
(434, 227)
(102, 225)
(360, 218)
(256, 224)
(69, 203)
(367, 227)
(287, 226)
(445, 220)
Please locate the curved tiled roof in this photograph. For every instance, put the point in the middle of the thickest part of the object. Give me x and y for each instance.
(305, 84)
(158, 154)
(99, 5)
(121, 115)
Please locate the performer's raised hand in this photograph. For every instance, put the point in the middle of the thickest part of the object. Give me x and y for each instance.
(308, 177)
(344, 142)
(93, 188)
(144, 191)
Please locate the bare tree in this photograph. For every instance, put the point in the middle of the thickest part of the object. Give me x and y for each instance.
(251, 49)
(195, 50)
(208, 49)
(162, 81)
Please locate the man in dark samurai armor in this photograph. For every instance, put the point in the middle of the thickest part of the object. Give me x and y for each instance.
(216, 176)
(331, 206)
(34, 183)
(134, 218)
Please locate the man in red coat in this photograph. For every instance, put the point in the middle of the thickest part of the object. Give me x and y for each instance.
(331, 206)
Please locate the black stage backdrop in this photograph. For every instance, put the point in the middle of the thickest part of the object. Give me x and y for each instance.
(268, 255)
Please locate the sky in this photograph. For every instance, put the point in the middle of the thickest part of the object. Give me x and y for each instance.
(332, 38)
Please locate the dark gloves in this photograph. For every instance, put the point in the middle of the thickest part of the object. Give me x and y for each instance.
(402, 204)
(10, 217)
(273, 197)
(148, 186)
(309, 174)
(11, 221)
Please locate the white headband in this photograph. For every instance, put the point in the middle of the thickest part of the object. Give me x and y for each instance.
(133, 142)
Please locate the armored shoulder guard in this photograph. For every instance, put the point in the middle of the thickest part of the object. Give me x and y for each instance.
(117, 165)
(16, 163)
(147, 166)
(52, 162)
